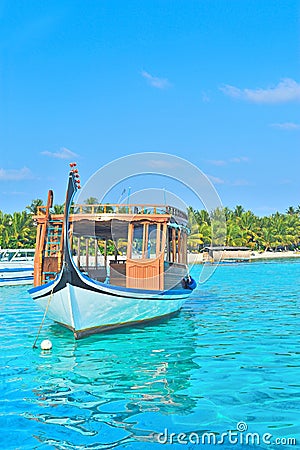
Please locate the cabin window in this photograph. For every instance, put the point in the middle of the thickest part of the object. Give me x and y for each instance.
(137, 241)
(86, 252)
(119, 236)
(146, 241)
(176, 246)
(94, 243)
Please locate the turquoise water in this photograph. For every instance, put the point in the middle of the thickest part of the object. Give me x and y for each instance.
(231, 355)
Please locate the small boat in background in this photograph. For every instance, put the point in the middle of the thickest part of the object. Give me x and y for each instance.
(82, 288)
(16, 266)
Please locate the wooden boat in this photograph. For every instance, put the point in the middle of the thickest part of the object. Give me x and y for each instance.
(79, 286)
(16, 266)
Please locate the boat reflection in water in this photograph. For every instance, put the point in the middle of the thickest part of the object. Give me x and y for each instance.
(127, 386)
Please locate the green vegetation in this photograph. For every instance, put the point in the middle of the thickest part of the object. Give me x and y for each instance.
(243, 228)
(18, 230)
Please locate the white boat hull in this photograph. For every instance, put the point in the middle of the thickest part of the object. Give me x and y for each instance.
(13, 275)
(86, 312)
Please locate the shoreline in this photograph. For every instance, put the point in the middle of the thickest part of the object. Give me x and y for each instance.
(197, 258)
(273, 255)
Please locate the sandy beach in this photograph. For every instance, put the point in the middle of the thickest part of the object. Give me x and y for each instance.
(273, 255)
(197, 258)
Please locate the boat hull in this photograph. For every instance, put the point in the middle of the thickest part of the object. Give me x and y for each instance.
(87, 312)
(12, 276)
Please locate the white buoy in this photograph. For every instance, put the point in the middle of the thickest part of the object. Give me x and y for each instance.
(46, 344)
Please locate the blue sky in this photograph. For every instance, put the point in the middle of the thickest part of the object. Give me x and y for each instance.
(215, 82)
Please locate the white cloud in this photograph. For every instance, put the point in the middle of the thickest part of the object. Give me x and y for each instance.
(286, 126)
(217, 162)
(216, 180)
(223, 162)
(159, 83)
(239, 159)
(205, 97)
(285, 181)
(64, 153)
(16, 174)
(286, 90)
(241, 182)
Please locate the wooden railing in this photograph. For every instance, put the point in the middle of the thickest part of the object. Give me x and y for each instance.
(113, 208)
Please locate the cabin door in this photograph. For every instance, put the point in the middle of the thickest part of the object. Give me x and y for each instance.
(145, 256)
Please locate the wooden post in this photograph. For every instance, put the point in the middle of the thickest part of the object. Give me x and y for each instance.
(41, 243)
(78, 251)
(168, 246)
(86, 253)
(179, 258)
(129, 241)
(37, 256)
(158, 239)
(173, 245)
(145, 240)
(96, 253)
(164, 238)
(105, 253)
(184, 248)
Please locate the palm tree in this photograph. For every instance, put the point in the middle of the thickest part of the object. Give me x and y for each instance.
(248, 224)
(293, 230)
(58, 209)
(291, 210)
(229, 214)
(5, 224)
(238, 211)
(33, 207)
(200, 228)
(266, 238)
(281, 231)
(22, 230)
(233, 234)
(200, 235)
(202, 216)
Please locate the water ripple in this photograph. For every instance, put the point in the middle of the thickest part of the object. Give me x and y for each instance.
(230, 355)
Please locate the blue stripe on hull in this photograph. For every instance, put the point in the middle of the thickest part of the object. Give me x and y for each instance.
(17, 278)
(111, 289)
(12, 270)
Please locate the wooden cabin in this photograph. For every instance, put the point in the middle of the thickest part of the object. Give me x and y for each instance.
(149, 244)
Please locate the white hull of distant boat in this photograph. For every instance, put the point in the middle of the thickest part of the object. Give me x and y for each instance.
(16, 269)
(12, 276)
(88, 307)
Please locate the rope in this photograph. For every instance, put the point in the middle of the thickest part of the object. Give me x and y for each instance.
(43, 320)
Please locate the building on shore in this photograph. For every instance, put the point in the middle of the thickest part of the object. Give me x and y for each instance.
(226, 254)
